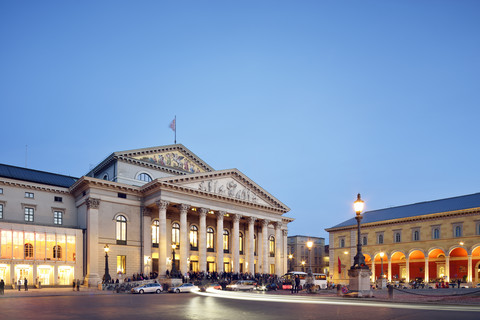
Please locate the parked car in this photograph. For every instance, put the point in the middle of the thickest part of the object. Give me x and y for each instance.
(149, 287)
(186, 287)
(242, 285)
(267, 287)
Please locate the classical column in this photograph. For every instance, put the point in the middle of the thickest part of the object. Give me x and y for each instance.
(236, 241)
(373, 270)
(202, 244)
(469, 274)
(390, 269)
(147, 241)
(407, 266)
(92, 278)
(251, 245)
(427, 275)
(265, 251)
(278, 248)
(447, 268)
(184, 243)
(162, 237)
(285, 251)
(220, 215)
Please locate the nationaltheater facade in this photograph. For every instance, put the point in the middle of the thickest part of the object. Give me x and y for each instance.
(152, 207)
(432, 241)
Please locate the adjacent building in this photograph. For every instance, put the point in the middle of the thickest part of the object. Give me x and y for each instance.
(152, 207)
(428, 241)
(300, 256)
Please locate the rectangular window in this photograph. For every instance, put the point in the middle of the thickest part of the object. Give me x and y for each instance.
(50, 246)
(397, 237)
(1, 211)
(380, 238)
(17, 245)
(6, 247)
(416, 234)
(122, 195)
(57, 199)
(57, 217)
(60, 248)
(29, 195)
(121, 264)
(40, 246)
(1, 190)
(29, 214)
(436, 232)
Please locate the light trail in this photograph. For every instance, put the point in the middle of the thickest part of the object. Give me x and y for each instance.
(334, 301)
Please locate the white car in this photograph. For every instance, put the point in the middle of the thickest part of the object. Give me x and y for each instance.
(242, 285)
(149, 287)
(186, 287)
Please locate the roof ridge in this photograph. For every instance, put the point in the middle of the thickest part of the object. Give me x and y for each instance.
(35, 170)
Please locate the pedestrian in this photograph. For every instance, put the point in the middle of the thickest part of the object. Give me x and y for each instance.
(25, 282)
(297, 283)
(78, 284)
(74, 284)
(19, 284)
(2, 287)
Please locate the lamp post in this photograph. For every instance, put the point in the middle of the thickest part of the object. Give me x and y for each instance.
(310, 245)
(174, 267)
(106, 277)
(290, 258)
(303, 266)
(359, 259)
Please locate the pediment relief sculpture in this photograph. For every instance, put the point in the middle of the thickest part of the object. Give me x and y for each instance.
(229, 188)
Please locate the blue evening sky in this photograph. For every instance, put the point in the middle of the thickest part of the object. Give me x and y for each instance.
(313, 100)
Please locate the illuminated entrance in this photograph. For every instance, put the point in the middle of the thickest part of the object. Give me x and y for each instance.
(65, 275)
(22, 272)
(45, 274)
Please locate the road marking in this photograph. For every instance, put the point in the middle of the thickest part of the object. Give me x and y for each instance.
(333, 301)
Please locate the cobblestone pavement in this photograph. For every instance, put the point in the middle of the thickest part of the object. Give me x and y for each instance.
(442, 296)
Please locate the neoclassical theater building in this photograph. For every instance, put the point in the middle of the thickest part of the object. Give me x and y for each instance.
(152, 207)
(431, 241)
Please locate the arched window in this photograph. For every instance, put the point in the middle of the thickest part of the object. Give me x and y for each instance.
(271, 245)
(342, 243)
(436, 233)
(226, 241)
(364, 240)
(458, 231)
(210, 237)
(380, 239)
(416, 235)
(240, 244)
(121, 226)
(144, 177)
(155, 232)
(193, 237)
(176, 234)
(105, 177)
(28, 248)
(398, 237)
(57, 252)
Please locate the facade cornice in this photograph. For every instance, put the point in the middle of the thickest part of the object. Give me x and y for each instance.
(90, 182)
(434, 216)
(150, 165)
(229, 173)
(33, 186)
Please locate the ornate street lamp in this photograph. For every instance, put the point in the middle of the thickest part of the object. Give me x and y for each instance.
(290, 258)
(309, 246)
(173, 274)
(381, 262)
(359, 259)
(106, 277)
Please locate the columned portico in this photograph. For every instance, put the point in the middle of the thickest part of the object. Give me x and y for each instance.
(220, 215)
(202, 243)
(265, 251)
(184, 244)
(92, 278)
(235, 244)
(251, 245)
(162, 237)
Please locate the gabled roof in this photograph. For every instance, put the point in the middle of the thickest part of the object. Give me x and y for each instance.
(43, 177)
(417, 209)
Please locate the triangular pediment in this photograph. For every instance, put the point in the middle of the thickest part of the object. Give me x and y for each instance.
(176, 157)
(230, 184)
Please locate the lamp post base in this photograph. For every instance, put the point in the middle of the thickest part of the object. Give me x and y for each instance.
(381, 283)
(359, 283)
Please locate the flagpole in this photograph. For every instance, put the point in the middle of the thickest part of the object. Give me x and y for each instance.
(175, 129)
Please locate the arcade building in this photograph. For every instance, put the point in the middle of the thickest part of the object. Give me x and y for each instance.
(151, 207)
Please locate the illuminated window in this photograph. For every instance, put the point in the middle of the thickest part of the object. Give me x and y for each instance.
(121, 264)
(155, 232)
(29, 195)
(1, 211)
(271, 242)
(121, 230)
(176, 234)
(144, 177)
(29, 214)
(57, 217)
(240, 244)
(226, 241)
(210, 237)
(40, 246)
(28, 246)
(57, 252)
(6, 244)
(193, 238)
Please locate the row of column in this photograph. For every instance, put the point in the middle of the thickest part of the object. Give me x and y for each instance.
(202, 244)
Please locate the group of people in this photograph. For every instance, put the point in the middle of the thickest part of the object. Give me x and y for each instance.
(76, 284)
(25, 283)
(295, 284)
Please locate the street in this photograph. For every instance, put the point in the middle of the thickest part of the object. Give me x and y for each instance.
(194, 306)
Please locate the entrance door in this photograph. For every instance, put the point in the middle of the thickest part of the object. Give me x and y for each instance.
(241, 267)
(155, 265)
(194, 266)
(210, 266)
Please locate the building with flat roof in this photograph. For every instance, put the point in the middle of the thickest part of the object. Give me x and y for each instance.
(300, 256)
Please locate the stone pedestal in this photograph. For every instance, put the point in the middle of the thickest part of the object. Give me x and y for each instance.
(381, 283)
(359, 284)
